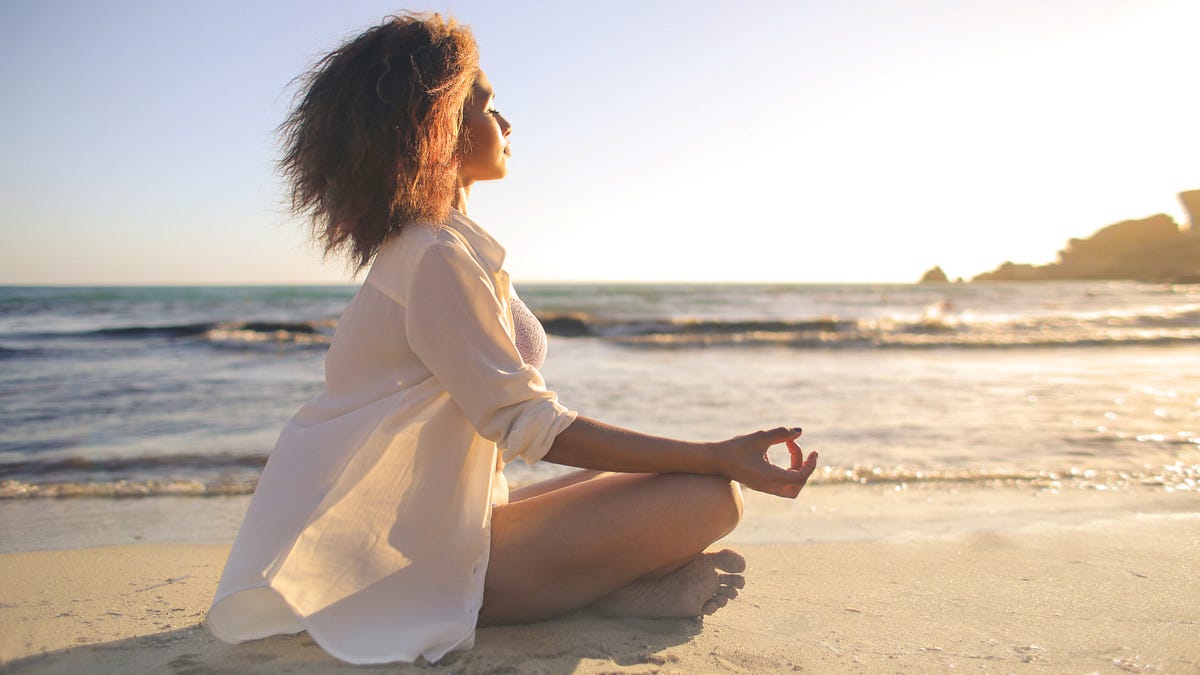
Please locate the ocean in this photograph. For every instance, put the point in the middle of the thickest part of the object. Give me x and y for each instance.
(116, 400)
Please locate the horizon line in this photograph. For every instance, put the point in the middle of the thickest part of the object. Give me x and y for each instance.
(531, 282)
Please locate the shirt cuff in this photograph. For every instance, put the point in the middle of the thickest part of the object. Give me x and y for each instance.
(533, 433)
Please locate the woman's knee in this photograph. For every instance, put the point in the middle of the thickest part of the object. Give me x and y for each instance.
(729, 502)
(715, 500)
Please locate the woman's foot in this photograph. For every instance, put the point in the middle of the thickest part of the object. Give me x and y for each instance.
(700, 587)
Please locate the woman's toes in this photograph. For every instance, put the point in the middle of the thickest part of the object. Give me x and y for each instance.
(734, 580)
(729, 560)
(717, 602)
(702, 586)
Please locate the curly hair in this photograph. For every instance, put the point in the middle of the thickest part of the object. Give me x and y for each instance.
(372, 142)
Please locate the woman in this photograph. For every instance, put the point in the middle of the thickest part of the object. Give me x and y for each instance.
(383, 523)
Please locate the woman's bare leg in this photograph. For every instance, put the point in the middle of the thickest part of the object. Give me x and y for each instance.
(629, 543)
(551, 484)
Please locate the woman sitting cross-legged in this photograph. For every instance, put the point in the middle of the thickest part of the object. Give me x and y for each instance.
(383, 523)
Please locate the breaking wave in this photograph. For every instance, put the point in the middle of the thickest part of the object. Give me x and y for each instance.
(1179, 476)
(937, 327)
(226, 334)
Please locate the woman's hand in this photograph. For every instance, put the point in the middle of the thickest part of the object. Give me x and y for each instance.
(590, 444)
(744, 459)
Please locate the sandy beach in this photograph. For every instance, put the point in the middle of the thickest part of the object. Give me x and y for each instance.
(1117, 591)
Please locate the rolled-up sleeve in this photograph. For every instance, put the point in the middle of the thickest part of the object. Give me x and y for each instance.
(455, 325)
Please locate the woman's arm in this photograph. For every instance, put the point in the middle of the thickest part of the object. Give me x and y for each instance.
(591, 444)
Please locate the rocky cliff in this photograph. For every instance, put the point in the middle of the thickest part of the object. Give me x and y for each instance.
(1149, 249)
(935, 275)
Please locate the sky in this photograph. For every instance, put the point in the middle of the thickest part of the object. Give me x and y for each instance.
(698, 140)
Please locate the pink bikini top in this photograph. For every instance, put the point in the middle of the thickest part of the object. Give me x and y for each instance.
(530, 336)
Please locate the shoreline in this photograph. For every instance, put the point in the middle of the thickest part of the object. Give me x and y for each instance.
(1116, 597)
(824, 512)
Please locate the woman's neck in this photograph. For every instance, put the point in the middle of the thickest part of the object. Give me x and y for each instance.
(461, 194)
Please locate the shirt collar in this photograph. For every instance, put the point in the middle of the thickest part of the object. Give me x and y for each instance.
(486, 247)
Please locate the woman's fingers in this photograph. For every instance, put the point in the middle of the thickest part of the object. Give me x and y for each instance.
(806, 467)
(797, 455)
(786, 482)
(780, 435)
(773, 479)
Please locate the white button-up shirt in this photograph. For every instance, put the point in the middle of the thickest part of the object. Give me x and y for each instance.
(370, 526)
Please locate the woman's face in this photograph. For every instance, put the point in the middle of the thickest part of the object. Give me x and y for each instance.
(485, 136)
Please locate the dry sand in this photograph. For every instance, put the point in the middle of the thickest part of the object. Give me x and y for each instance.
(1115, 595)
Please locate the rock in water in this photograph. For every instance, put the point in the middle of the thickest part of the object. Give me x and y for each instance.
(935, 275)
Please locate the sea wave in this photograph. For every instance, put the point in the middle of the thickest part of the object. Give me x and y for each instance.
(314, 334)
(12, 489)
(938, 326)
(19, 352)
(1177, 477)
(166, 464)
(223, 334)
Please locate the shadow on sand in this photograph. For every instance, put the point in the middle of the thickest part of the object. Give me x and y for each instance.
(553, 646)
